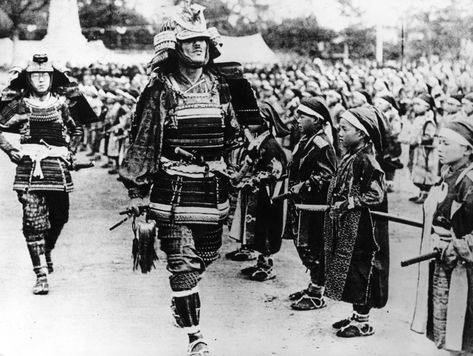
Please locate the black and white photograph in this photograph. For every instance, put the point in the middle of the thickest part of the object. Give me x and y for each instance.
(236, 177)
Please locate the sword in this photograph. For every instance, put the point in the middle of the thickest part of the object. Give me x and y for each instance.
(376, 214)
(437, 253)
(200, 161)
(129, 214)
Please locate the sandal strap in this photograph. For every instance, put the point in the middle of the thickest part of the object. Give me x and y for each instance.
(266, 271)
(359, 326)
(318, 302)
(203, 352)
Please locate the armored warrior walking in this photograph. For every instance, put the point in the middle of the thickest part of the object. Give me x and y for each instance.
(49, 136)
(185, 108)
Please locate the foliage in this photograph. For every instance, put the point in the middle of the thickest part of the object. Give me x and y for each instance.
(21, 12)
(438, 31)
(361, 41)
(301, 35)
(117, 25)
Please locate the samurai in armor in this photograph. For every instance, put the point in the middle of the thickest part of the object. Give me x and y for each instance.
(313, 164)
(184, 108)
(50, 133)
(259, 221)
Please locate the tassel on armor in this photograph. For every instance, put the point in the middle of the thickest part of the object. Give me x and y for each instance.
(143, 248)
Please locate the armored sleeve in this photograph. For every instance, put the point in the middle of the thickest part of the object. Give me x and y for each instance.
(142, 157)
(6, 146)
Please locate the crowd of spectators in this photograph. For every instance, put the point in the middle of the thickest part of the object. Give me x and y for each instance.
(444, 88)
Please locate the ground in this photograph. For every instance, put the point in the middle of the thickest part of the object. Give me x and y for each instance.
(99, 307)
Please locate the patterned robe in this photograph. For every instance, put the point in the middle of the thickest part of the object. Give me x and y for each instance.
(356, 245)
(453, 213)
(314, 163)
(259, 221)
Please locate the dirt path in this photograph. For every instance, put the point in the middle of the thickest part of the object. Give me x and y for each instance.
(99, 307)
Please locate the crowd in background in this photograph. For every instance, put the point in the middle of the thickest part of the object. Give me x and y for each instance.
(415, 100)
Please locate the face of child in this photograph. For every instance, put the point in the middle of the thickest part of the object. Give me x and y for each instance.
(451, 152)
(381, 104)
(348, 134)
(307, 124)
(451, 107)
(420, 108)
(467, 106)
(358, 99)
(40, 81)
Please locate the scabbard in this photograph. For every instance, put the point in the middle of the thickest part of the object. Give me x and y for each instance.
(375, 214)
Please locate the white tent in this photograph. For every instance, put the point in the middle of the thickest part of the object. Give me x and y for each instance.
(246, 49)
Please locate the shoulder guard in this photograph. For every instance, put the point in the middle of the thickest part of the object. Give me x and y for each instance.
(320, 142)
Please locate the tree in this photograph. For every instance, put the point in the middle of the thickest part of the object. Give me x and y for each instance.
(348, 9)
(439, 31)
(21, 12)
(235, 17)
(361, 41)
(300, 35)
(116, 24)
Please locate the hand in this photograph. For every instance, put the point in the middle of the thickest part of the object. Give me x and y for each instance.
(295, 189)
(18, 119)
(449, 256)
(277, 168)
(336, 210)
(439, 242)
(134, 206)
(463, 250)
(15, 156)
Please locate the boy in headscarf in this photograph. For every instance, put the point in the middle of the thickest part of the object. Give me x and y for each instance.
(422, 150)
(444, 303)
(356, 249)
(259, 220)
(313, 165)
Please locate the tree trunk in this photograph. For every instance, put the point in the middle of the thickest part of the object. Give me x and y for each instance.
(15, 39)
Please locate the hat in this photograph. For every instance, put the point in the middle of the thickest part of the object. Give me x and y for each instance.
(390, 100)
(367, 96)
(455, 99)
(188, 23)
(367, 120)
(468, 97)
(315, 108)
(269, 114)
(459, 131)
(39, 64)
(425, 98)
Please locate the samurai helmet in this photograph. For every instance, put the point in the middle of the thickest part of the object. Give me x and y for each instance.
(187, 23)
(39, 63)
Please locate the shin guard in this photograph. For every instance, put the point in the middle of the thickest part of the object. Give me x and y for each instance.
(186, 310)
(36, 250)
